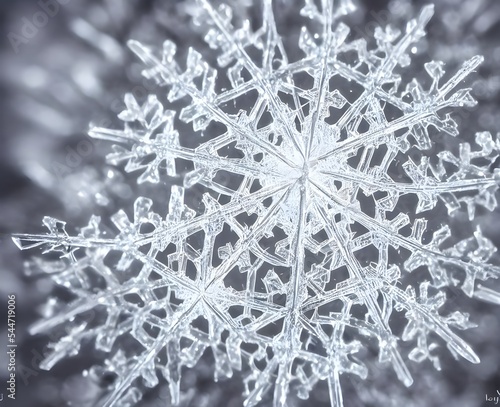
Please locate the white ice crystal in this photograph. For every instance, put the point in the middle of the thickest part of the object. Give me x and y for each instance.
(310, 244)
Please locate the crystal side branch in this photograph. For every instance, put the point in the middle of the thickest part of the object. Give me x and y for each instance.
(313, 219)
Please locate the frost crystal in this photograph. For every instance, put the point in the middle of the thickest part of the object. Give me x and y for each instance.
(310, 244)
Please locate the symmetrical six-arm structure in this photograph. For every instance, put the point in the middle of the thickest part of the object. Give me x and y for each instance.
(310, 242)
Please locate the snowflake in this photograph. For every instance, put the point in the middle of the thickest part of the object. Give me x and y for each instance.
(310, 244)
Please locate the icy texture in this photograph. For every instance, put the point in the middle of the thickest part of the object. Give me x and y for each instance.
(320, 176)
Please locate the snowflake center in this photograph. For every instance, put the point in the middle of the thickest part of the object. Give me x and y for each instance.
(305, 172)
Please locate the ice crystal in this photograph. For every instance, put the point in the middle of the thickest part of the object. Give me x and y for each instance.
(310, 243)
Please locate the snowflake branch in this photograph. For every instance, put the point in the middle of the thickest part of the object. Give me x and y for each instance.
(355, 271)
(198, 99)
(433, 321)
(409, 120)
(263, 84)
(385, 230)
(369, 182)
